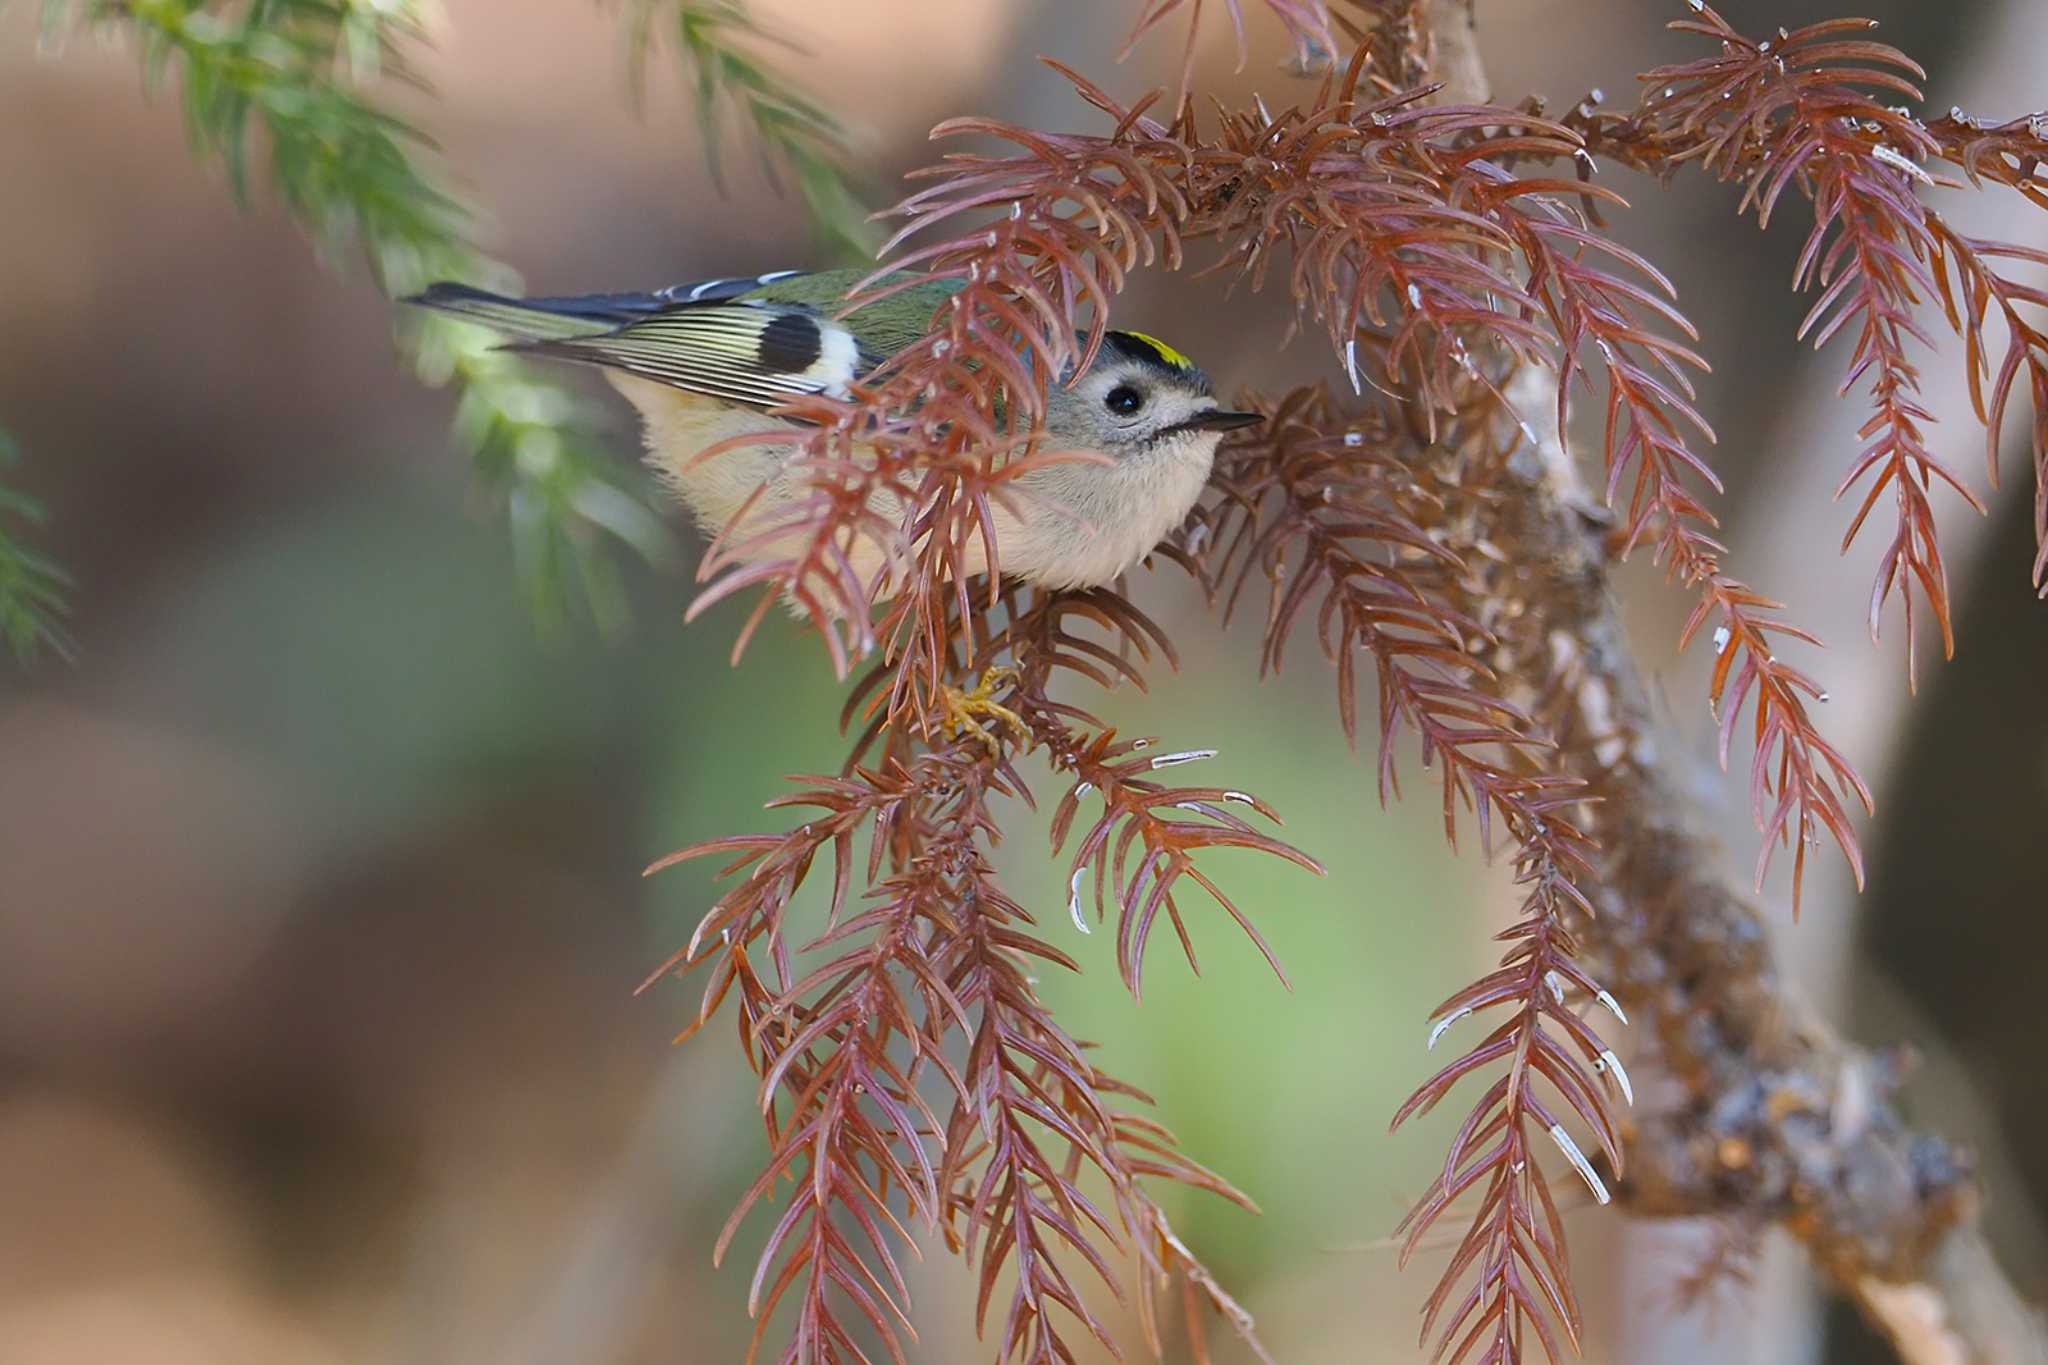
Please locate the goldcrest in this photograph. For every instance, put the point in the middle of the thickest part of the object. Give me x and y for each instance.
(704, 361)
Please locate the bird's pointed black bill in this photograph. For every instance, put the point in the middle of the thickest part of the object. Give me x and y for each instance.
(1224, 421)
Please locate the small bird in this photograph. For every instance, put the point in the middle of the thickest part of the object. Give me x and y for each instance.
(703, 361)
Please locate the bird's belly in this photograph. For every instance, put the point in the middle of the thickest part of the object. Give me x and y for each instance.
(743, 496)
(1068, 525)
(1097, 522)
(680, 426)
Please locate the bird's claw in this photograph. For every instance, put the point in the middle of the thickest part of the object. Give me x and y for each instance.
(963, 712)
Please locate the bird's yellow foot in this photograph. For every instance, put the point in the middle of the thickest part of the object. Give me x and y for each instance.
(965, 712)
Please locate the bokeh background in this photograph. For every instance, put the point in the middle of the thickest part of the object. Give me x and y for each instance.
(320, 906)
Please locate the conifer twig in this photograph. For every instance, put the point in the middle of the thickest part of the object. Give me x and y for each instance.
(1797, 1126)
(716, 45)
(288, 80)
(1663, 918)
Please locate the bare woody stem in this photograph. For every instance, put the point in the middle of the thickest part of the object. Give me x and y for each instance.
(1454, 25)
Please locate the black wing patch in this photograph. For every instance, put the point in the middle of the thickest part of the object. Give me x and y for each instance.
(791, 343)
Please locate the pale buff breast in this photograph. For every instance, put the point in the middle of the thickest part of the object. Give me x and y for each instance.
(1074, 524)
(678, 426)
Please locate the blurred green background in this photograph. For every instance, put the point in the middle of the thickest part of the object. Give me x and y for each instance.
(320, 905)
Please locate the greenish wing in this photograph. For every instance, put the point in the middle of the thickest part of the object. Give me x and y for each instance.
(759, 341)
(885, 327)
(756, 353)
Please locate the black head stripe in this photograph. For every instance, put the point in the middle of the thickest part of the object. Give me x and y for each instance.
(1151, 353)
(790, 344)
(1142, 349)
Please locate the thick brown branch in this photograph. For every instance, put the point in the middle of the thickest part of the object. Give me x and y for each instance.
(1776, 1119)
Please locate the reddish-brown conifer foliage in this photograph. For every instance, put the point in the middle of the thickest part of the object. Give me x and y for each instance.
(909, 1072)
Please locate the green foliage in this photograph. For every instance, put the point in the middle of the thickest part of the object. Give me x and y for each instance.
(714, 42)
(524, 434)
(31, 586)
(285, 80)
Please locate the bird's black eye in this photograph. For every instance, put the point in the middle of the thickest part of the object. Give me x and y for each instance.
(1124, 401)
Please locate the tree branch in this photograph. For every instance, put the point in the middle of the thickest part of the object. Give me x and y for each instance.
(1774, 1120)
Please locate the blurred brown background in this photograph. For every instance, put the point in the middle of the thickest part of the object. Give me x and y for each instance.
(319, 893)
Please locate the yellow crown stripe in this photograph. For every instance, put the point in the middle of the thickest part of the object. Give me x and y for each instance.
(1166, 352)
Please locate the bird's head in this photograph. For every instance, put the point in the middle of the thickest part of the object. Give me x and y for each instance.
(1141, 397)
